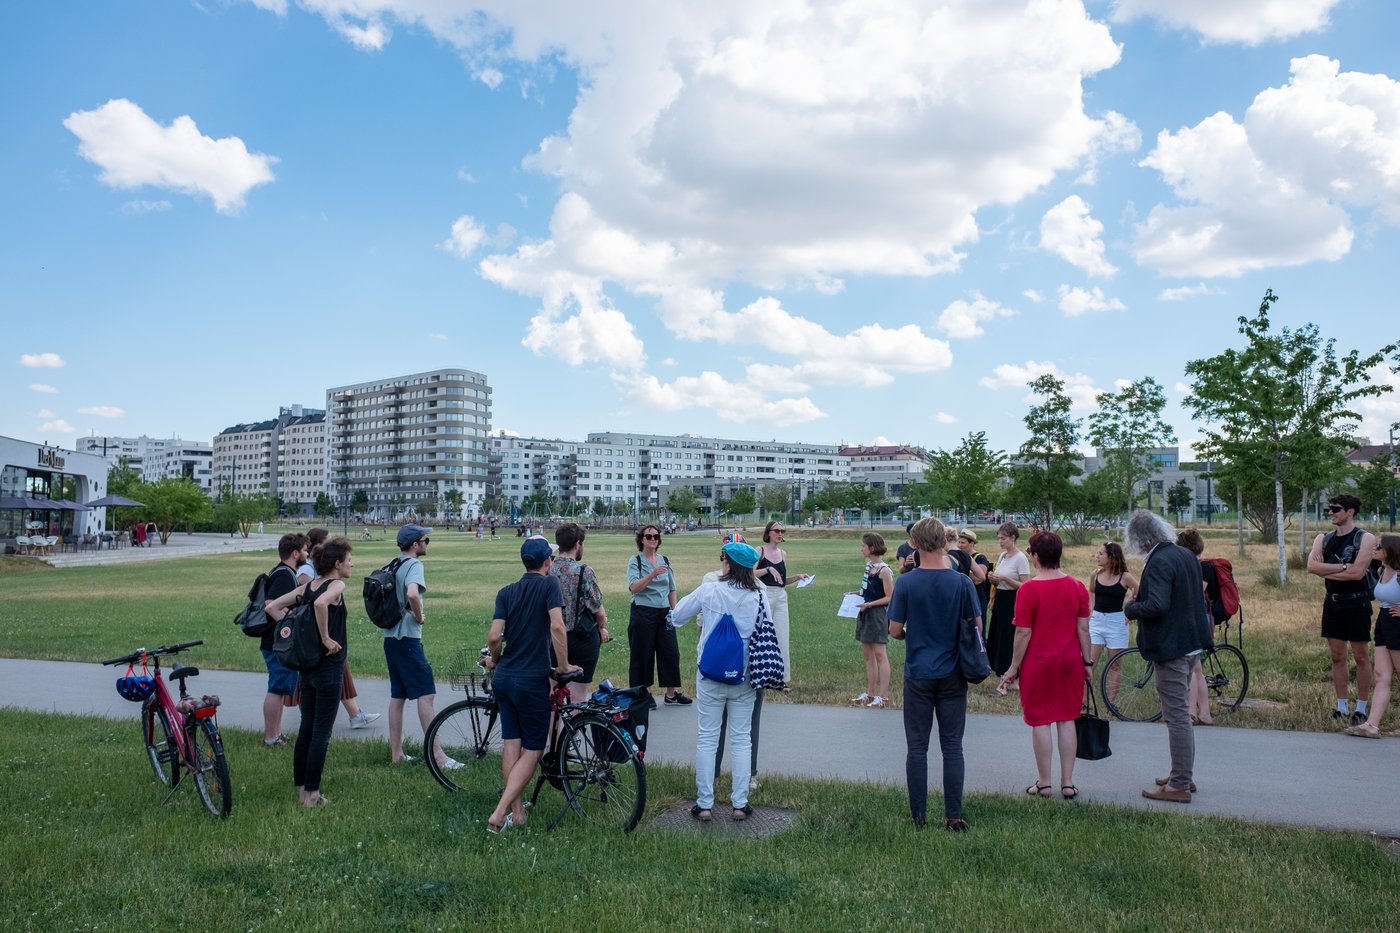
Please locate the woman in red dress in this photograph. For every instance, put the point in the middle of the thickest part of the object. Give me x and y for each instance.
(1051, 659)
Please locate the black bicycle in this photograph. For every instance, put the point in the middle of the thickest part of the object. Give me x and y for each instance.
(1128, 682)
(592, 758)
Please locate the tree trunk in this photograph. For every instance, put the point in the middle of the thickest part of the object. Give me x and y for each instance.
(1239, 517)
(1278, 513)
(1303, 527)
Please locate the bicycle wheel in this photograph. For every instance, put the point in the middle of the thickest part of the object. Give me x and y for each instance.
(161, 749)
(600, 772)
(1130, 688)
(1227, 675)
(470, 735)
(211, 772)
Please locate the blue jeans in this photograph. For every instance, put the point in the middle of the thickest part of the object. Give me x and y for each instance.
(320, 699)
(945, 698)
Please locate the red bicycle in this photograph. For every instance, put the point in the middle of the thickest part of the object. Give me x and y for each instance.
(181, 736)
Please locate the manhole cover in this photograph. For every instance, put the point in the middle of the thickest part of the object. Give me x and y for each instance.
(765, 821)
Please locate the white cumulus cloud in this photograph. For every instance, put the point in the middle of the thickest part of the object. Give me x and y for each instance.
(1276, 188)
(103, 411)
(1033, 295)
(1072, 233)
(42, 387)
(466, 236)
(41, 361)
(134, 151)
(1075, 301)
(963, 319)
(943, 417)
(1245, 21)
(57, 426)
(1079, 387)
(1187, 292)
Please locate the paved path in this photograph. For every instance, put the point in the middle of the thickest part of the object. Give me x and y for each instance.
(1325, 780)
(179, 545)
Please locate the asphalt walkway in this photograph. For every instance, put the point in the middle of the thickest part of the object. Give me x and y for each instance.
(1325, 780)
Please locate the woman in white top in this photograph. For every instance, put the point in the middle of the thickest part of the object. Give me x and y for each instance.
(737, 594)
(1011, 571)
(1387, 635)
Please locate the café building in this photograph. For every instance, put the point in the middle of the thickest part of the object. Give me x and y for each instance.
(50, 475)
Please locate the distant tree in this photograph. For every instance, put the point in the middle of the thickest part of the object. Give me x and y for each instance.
(1375, 484)
(837, 495)
(921, 495)
(324, 505)
(862, 497)
(774, 497)
(969, 473)
(1087, 504)
(171, 502)
(242, 510)
(359, 502)
(682, 501)
(1050, 456)
(1179, 499)
(741, 503)
(1283, 398)
(454, 499)
(1126, 426)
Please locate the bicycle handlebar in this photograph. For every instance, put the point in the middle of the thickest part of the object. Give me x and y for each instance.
(152, 653)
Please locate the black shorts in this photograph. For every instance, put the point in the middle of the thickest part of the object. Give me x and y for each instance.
(583, 651)
(1388, 629)
(1348, 621)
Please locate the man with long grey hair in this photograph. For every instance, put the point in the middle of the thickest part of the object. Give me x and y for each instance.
(1168, 611)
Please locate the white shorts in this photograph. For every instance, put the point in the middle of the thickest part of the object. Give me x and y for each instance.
(1109, 629)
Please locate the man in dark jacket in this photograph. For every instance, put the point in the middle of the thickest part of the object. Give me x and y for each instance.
(1168, 611)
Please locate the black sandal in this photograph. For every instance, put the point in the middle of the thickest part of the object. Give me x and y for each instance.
(1038, 790)
(1073, 791)
(956, 826)
(701, 814)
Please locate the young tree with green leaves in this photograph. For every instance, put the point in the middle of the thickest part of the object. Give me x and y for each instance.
(171, 502)
(454, 498)
(1050, 456)
(1283, 398)
(1126, 426)
(682, 501)
(774, 497)
(741, 503)
(969, 474)
(1179, 499)
(324, 506)
(359, 502)
(1376, 483)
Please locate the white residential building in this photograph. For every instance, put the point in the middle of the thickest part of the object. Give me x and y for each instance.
(283, 457)
(888, 468)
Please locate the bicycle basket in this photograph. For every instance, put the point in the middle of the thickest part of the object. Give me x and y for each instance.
(465, 674)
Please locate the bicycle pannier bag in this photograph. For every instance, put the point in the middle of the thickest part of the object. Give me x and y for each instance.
(296, 641)
(381, 595)
(1091, 731)
(637, 704)
(723, 656)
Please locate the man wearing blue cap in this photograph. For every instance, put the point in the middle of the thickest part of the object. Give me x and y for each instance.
(527, 644)
(410, 675)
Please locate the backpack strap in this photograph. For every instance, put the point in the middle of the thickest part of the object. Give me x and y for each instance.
(578, 595)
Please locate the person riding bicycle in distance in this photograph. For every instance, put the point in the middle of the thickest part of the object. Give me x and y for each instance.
(527, 635)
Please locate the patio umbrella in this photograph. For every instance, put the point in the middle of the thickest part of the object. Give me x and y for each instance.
(70, 505)
(106, 501)
(24, 502)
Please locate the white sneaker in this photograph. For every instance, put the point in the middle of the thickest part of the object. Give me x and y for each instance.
(451, 764)
(362, 720)
(876, 703)
(864, 697)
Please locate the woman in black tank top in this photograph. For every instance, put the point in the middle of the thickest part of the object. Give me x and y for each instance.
(1109, 584)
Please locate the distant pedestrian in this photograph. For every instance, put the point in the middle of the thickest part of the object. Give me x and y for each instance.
(1051, 660)
(260, 527)
(1341, 558)
(1012, 570)
(928, 607)
(1387, 636)
(872, 624)
(140, 534)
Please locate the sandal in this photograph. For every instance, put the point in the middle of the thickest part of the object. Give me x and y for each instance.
(1069, 791)
(1038, 790)
(701, 813)
(956, 826)
(495, 830)
(1363, 730)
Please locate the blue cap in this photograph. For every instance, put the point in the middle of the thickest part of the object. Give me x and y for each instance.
(740, 553)
(410, 533)
(536, 550)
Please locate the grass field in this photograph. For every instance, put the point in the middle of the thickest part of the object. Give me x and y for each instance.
(88, 846)
(90, 613)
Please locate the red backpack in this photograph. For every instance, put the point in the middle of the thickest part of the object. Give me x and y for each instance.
(1227, 603)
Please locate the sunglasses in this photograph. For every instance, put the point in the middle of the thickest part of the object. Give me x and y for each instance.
(651, 537)
(425, 540)
(1335, 508)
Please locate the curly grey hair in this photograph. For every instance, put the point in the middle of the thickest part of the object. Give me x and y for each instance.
(1145, 531)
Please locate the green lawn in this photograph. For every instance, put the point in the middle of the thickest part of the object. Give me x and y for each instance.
(88, 845)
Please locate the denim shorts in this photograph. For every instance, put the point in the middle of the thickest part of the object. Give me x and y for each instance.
(1109, 629)
(281, 680)
(410, 675)
(524, 710)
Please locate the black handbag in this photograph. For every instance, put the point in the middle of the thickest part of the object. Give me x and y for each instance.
(1091, 730)
(972, 650)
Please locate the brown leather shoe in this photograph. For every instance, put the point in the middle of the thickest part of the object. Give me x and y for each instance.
(1168, 794)
(1162, 782)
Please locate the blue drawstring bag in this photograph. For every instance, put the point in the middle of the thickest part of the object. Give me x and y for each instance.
(723, 656)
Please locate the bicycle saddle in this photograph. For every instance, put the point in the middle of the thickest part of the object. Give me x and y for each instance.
(569, 678)
(180, 672)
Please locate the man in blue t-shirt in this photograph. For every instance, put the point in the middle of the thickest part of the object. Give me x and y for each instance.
(527, 634)
(930, 603)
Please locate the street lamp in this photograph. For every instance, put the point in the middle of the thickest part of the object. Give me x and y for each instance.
(1210, 508)
(1392, 474)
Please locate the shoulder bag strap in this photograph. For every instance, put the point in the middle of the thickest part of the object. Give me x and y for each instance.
(578, 595)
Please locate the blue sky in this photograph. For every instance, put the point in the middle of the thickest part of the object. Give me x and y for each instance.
(833, 222)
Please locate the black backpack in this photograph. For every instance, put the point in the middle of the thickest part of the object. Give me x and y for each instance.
(297, 641)
(381, 595)
(253, 619)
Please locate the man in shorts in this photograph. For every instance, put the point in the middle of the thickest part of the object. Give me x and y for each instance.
(527, 634)
(585, 619)
(281, 680)
(410, 675)
(1341, 557)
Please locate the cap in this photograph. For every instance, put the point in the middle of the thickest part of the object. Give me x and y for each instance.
(536, 550)
(734, 536)
(740, 553)
(969, 534)
(410, 533)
